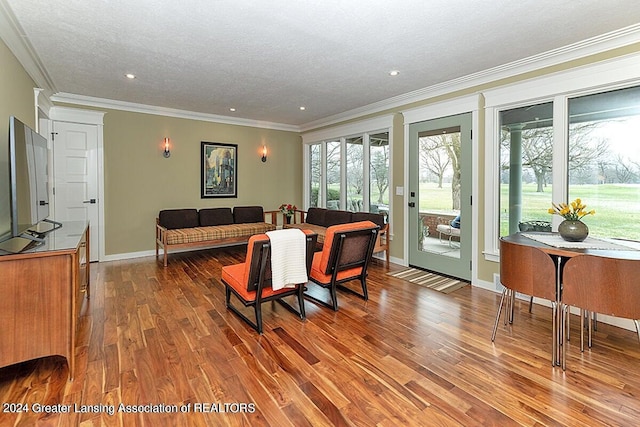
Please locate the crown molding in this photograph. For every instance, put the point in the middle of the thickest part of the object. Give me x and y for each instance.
(371, 125)
(593, 46)
(16, 40)
(90, 101)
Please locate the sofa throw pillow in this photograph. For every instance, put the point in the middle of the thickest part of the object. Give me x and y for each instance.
(377, 219)
(178, 218)
(315, 216)
(248, 214)
(215, 216)
(332, 217)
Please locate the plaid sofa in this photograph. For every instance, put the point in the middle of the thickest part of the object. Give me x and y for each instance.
(192, 228)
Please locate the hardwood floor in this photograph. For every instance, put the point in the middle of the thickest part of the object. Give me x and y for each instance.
(408, 356)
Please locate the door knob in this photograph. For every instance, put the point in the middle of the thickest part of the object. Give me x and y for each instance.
(92, 201)
(412, 204)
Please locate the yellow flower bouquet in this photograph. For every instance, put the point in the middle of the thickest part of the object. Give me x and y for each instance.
(574, 211)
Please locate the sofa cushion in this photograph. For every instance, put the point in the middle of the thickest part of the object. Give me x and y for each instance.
(215, 216)
(332, 217)
(178, 218)
(247, 214)
(305, 226)
(316, 216)
(217, 233)
(376, 218)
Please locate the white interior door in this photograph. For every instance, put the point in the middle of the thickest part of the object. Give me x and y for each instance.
(75, 154)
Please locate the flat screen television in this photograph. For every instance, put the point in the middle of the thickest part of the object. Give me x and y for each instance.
(28, 188)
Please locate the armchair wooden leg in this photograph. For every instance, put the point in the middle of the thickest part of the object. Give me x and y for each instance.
(300, 312)
(227, 296)
(334, 297)
(333, 294)
(303, 314)
(258, 311)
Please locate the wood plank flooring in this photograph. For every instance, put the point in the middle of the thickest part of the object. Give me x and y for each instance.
(409, 356)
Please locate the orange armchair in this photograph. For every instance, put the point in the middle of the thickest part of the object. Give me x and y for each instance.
(345, 256)
(250, 281)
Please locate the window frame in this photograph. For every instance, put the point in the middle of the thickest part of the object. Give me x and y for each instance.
(557, 88)
(362, 128)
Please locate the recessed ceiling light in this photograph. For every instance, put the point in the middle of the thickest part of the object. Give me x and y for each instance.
(394, 72)
(232, 109)
(303, 108)
(130, 76)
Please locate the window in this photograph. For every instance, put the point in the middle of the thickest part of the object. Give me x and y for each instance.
(315, 165)
(333, 174)
(559, 137)
(379, 172)
(352, 170)
(355, 174)
(526, 149)
(604, 160)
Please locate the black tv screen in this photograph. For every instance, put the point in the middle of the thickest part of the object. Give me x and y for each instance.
(28, 167)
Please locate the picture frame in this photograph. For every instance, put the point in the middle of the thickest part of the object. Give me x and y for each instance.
(218, 170)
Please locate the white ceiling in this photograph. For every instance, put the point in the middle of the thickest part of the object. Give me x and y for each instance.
(268, 58)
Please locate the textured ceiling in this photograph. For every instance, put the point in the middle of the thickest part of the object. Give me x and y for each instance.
(268, 58)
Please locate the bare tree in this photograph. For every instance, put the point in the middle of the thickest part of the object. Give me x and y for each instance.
(434, 156)
(537, 150)
(333, 167)
(380, 170)
(355, 165)
(624, 170)
(438, 154)
(453, 149)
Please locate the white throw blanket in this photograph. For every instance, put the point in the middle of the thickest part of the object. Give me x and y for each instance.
(288, 257)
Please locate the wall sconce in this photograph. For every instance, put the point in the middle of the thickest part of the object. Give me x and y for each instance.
(264, 154)
(167, 152)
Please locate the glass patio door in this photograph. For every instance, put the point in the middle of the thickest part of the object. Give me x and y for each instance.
(440, 195)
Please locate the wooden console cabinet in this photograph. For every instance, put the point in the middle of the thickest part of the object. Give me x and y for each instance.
(41, 294)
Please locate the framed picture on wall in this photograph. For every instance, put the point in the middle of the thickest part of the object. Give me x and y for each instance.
(219, 170)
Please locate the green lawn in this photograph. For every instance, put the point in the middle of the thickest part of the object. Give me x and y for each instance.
(617, 206)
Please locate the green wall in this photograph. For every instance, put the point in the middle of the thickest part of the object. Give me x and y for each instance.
(16, 99)
(139, 181)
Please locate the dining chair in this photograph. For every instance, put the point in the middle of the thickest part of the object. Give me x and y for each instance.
(345, 256)
(251, 281)
(527, 270)
(538, 226)
(598, 284)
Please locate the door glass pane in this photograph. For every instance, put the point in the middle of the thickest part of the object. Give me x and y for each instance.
(604, 160)
(526, 153)
(439, 190)
(379, 173)
(314, 175)
(333, 175)
(355, 173)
